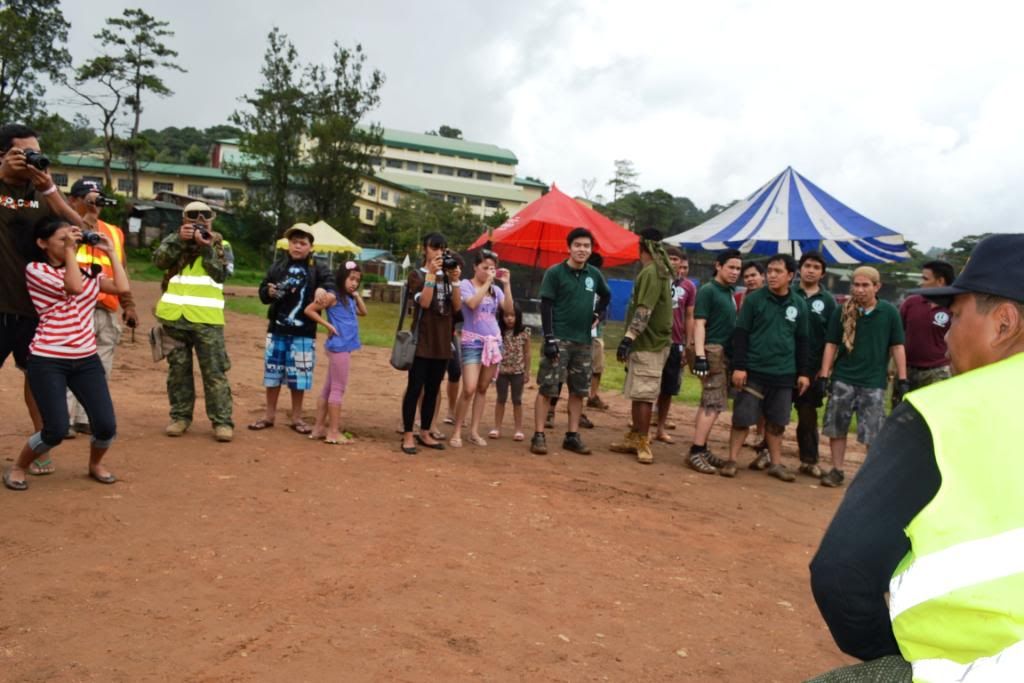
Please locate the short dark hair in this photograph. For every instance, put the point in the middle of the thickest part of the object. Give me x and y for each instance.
(577, 233)
(728, 255)
(649, 235)
(484, 254)
(44, 230)
(518, 326)
(435, 240)
(813, 256)
(756, 265)
(942, 269)
(785, 259)
(595, 259)
(14, 131)
(341, 275)
(673, 250)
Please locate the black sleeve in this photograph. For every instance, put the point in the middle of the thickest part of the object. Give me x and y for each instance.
(740, 345)
(547, 316)
(267, 279)
(803, 357)
(865, 542)
(602, 305)
(325, 278)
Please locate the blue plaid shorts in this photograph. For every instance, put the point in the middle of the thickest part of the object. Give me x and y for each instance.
(289, 358)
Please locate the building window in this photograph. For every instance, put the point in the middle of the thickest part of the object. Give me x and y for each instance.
(124, 184)
(369, 215)
(394, 163)
(493, 203)
(465, 173)
(454, 199)
(428, 168)
(162, 187)
(371, 190)
(196, 190)
(60, 179)
(481, 175)
(435, 195)
(376, 161)
(445, 170)
(383, 195)
(412, 166)
(475, 201)
(355, 212)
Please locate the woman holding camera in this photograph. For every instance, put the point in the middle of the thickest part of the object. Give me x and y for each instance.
(63, 351)
(434, 291)
(482, 297)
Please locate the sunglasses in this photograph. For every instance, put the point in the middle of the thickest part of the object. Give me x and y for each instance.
(195, 215)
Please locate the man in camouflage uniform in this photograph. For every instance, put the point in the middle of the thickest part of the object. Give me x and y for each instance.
(191, 313)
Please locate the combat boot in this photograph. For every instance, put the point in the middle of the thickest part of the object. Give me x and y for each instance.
(176, 428)
(628, 445)
(223, 433)
(643, 450)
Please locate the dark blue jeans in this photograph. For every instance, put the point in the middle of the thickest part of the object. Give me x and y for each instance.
(50, 379)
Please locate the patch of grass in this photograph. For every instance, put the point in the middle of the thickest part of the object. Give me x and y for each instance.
(141, 268)
(249, 305)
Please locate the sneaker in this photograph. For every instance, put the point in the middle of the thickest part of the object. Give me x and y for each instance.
(573, 442)
(223, 433)
(780, 472)
(713, 459)
(697, 460)
(729, 469)
(763, 460)
(538, 444)
(643, 450)
(176, 428)
(549, 421)
(585, 422)
(834, 479)
(628, 445)
(811, 470)
(596, 403)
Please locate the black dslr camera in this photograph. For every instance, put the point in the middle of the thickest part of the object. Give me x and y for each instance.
(37, 159)
(286, 286)
(105, 201)
(448, 260)
(90, 238)
(200, 229)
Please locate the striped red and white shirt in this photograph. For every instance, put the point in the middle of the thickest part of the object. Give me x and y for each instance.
(65, 327)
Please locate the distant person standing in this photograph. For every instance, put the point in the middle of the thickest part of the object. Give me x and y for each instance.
(752, 277)
(861, 337)
(684, 298)
(821, 305)
(715, 318)
(925, 324)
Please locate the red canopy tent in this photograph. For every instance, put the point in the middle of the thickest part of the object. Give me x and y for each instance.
(536, 235)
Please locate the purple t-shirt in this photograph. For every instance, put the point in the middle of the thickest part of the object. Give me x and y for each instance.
(684, 295)
(482, 321)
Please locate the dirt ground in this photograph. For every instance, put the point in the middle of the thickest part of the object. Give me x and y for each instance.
(275, 558)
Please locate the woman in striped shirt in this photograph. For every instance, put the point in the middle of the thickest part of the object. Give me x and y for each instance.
(62, 355)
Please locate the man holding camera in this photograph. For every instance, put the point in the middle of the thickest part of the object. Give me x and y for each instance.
(27, 195)
(191, 314)
(86, 198)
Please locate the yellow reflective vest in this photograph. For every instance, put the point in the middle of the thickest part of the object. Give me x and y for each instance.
(89, 255)
(192, 293)
(957, 598)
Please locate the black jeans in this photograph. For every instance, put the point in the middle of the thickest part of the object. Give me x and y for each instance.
(51, 378)
(807, 423)
(425, 377)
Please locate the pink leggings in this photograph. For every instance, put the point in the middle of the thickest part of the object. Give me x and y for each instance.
(337, 377)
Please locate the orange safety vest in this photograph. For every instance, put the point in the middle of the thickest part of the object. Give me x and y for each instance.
(89, 255)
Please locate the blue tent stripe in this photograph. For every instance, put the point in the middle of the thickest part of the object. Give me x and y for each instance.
(852, 221)
(801, 226)
(729, 231)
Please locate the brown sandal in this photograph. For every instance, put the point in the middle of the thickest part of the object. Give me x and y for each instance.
(262, 423)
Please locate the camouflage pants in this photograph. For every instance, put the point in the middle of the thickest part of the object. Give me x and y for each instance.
(208, 342)
(843, 401)
(573, 366)
(891, 669)
(922, 377)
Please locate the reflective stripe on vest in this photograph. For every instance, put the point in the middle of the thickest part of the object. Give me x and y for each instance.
(957, 598)
(88, 255)
(193, 294)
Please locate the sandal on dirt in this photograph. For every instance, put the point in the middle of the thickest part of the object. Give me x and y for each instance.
(455, 442)
(262, 423)
(41, 466)
(664, 438)
(449, 420)
(477, 440)
(696, 461)
(494, 434)
(440, 436)
(519, 436)
(301, 428)
(436, 446)
(107, 478)
(13, 485)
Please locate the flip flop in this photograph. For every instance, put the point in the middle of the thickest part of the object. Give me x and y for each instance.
(455, 442)
(494, 434)
(13, 485)
(436, 446)
(477, 440)
(449, 420)
(519, 436)
(664, 438)
(410, 450)
(103, 479)
(301, 428)
(262, 423)
(41, 467)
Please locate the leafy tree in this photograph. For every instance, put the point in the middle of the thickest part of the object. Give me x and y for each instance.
(961, 250)
(495, 220)
(341, 151)
(447, 132)
(34, 35)
(624, 180)
(59, 135)
(143, 53)
(416, 215)
(587, 184)
(101, 83)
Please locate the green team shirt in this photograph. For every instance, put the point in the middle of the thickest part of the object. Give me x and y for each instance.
(868, 364)
(572, 292)
(774, 323)
(716, 305)
(653, 292)
(821, 306)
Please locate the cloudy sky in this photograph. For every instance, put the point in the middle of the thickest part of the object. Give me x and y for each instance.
(910, 112)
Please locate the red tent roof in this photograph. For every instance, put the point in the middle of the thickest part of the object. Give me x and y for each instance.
(536, 235)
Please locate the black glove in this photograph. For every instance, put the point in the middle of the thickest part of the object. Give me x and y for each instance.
(701, 367)
(622, 353)
(900, 388)
(550, 348)
(821, 386)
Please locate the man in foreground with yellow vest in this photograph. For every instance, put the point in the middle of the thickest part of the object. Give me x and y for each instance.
(106, 322)
(934, 518)
(191, 311)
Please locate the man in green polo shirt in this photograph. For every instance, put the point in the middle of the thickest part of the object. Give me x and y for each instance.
(861, 337)
(714, 319)
(567, 312)
(821, 305)
(645, 345)
(769, 358)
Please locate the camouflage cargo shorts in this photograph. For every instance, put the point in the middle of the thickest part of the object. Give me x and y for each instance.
(573, 366)
(843, 401)
(714, 393)
(922, 377)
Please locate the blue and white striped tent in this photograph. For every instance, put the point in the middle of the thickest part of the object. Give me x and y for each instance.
(792, 215)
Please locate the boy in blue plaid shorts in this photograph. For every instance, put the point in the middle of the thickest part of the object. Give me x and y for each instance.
(290, 285)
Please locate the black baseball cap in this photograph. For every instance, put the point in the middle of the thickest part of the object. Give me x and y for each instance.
(83, 187)
(996, 267)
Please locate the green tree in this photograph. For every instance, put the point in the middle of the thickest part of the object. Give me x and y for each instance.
(101, 84)
(59, 135)
(961, 250)
(143, 54)
(34, 35)
(447, 132)
(624, 180)
(341, 151)
(495, 220)
(402, 230)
